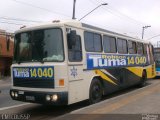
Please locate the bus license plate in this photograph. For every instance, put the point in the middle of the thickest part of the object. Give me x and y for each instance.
(30, 98)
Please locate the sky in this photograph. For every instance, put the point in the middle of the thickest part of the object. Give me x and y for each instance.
(122, 16)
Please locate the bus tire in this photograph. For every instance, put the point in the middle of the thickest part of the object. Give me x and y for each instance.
(95, 92)
(143, 79)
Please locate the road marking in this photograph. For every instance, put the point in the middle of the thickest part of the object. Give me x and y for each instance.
(14, 106)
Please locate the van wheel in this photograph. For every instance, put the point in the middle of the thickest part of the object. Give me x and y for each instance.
(95, 93)
(143, 79)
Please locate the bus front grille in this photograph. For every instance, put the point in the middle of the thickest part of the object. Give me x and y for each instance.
(33, 83)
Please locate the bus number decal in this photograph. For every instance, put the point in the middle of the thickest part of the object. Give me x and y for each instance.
(130, 60)
(50, 72)
(136, 60)
(108, 60)
(33, 72)
(42, 72)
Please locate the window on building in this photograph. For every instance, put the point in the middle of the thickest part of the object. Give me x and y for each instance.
(109, 44)
(93, 42)
(0, 48)
(122, 46)
(131, 47)
(7, 42)
(140, 48)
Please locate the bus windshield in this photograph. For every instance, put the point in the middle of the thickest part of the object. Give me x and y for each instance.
(39, 45)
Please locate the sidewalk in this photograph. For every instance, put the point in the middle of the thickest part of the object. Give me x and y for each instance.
(139, 104)
(140, 101)
(2, 79)
(5, 81)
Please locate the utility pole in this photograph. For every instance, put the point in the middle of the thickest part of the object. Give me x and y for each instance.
(74, 7)
(143, 28)
(158, 43)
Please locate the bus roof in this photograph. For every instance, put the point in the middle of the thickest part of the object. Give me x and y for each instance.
(77, 24)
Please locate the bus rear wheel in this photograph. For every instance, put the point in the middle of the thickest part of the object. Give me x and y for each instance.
(143, 79)
(95, 93)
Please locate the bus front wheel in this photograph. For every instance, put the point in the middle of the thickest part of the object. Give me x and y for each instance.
(95, 93)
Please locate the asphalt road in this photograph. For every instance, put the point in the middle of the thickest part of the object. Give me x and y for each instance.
(130, 103)
(36, 111)
(5, 100)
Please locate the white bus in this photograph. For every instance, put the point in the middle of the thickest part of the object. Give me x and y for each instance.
(65, 62)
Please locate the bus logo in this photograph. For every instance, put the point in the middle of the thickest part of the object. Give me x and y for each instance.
(74, 72)
(103, 61)
(33, 72)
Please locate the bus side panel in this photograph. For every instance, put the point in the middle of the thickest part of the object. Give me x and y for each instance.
(151, 72)
(79, 88)
(127, 76)
(121, 77)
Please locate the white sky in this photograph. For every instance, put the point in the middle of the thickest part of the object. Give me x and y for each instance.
(122, 16)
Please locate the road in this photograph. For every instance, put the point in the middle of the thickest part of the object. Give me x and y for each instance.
(5, 100)
(127, 103)
(36, 111)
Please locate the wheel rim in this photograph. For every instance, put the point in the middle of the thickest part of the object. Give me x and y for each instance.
(96, 93)
(144, 78)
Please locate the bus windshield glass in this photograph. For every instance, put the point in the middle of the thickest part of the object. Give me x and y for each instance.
(43, 45)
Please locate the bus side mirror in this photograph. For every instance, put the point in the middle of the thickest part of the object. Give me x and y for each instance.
(71, 38)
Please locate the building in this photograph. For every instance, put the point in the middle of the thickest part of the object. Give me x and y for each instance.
(6, 53)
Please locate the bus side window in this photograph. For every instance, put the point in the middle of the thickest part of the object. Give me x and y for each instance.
(145, 49)
(151, 53)
(122, 46)
(109, 44)
(75, 52)
(140, 48)
(93, 42)
(132, 47)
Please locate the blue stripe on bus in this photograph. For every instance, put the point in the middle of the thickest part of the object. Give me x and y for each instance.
(157, 69)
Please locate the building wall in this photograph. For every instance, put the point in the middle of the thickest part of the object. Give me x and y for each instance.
(5, 55)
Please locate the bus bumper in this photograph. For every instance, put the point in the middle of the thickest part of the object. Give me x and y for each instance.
(49, 98)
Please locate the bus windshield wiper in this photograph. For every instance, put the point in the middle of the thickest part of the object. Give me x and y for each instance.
(41, 61)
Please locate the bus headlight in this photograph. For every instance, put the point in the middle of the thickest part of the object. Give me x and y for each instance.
(54, 97)
(48, 98)
(12, 94)
(16, 94)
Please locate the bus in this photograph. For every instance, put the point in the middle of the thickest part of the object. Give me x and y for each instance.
(157, 60)
(65, 62)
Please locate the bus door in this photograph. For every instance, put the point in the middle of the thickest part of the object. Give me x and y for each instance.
(151, 61)
(75, 66)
